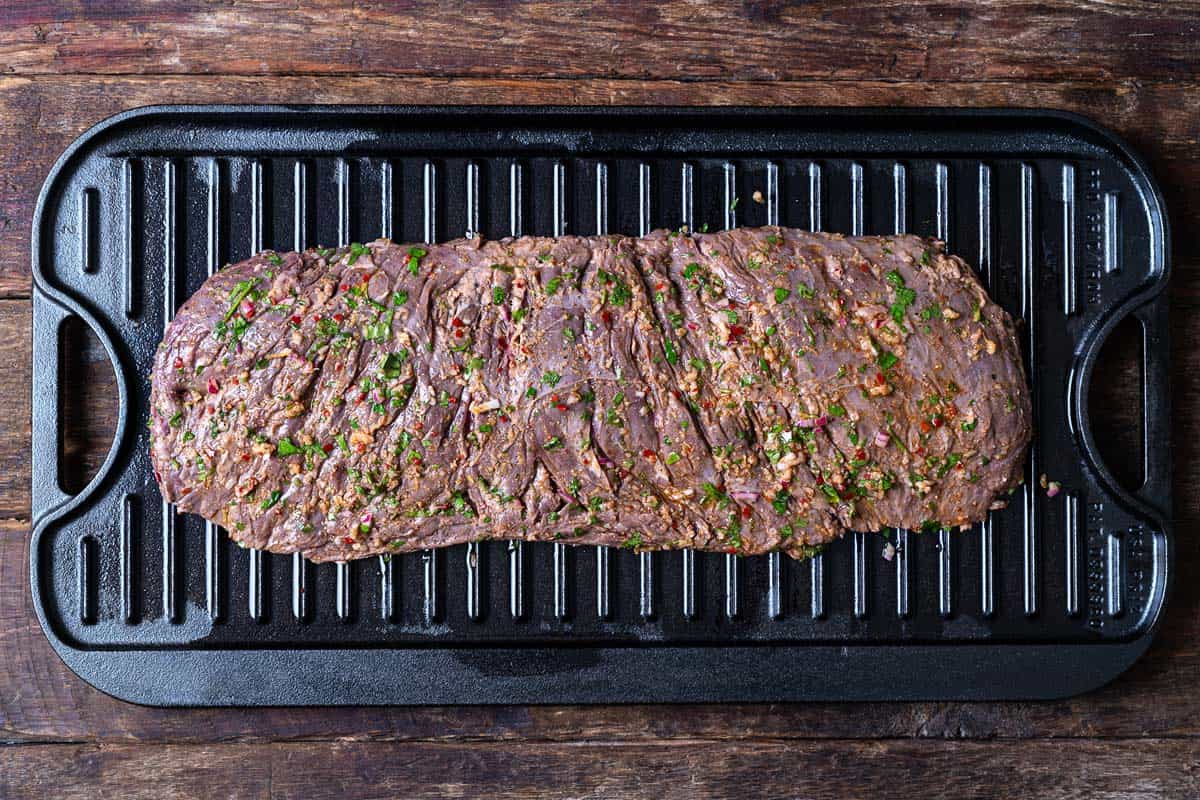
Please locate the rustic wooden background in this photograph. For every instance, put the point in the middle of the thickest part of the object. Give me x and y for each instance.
(1134, 66)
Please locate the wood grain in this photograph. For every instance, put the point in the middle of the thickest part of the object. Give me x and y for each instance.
(1133, 66)
(39, 117)
(1053, 40)
(1153, 768)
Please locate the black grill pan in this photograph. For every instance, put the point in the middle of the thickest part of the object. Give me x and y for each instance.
(1049, 597)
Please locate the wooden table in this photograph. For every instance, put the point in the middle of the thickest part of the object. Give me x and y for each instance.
(1133, 66)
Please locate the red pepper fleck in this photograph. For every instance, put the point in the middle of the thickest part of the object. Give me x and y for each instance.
(178, 362)
(419, 426)
(938, 421)
(338, 317)
(213, 387)
(736, 331)
(785, 484)
(553, 398)
(458, 334)
(361, 396)
(658, 287)
(345, 287)
(316, 317)
(347, 540)
(248, 308)
(560, 407)
(820, 481)
(746, 512)
(504, 418)
(693, 326)
(925, 427)
(295, 319)
(501, 342)
(879, 379)
(919, 449)
(452, 400)
(327, 448)
(606, 317)
(519, 283)
(859, 455)
(245, 456)
(456, 322)
(647, 453)
(731, 551)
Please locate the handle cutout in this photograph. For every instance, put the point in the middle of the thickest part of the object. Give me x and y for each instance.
(88, 402)
(1116, 404)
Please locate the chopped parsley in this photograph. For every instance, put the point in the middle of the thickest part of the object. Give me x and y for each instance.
(272, 500)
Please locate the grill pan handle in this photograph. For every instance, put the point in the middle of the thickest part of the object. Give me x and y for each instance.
(50, 310)
(1152, 499)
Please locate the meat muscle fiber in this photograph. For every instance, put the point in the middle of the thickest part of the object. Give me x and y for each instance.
(741, 391)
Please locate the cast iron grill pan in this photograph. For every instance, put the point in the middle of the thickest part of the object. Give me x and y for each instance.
(1049, 597)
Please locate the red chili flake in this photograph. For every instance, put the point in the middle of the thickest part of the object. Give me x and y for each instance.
(316, 317)
(458, 334)
(213, 387)
(622, 472)
(327, 447)
(658, 287)
(879, 379)
(337, 367)
(178, 362)
(295, 319)
(501, 342)
(938, 421)
(157, 476)
(731, 551)
(678, 395)
(736, 331)
(338, 317)
(733, 304)
(820, 481)
(361, 396)
(452, 400)
(859, 455)
(693, 326)
(456, 322)
(647, 453)
(345, 287)
(245, 456)
(560, 407)
(504, 418)
(606, 317)
(419, 426)
(347, 540)
(248, 308)
(519, 283)
(785, 484)
(553, 398)
(919, 449)
(746, 512)
(925, 427)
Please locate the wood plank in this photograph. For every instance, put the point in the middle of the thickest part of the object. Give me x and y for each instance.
(983, 40)
(39, 117)
(1154, 768)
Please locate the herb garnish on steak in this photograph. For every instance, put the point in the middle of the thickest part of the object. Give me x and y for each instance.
(740, 391)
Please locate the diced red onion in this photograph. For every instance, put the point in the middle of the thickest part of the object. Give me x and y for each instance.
(882, 438)
(807, 422)
(744, 496)
(213, 386)
(1053, 488)
(367, 518)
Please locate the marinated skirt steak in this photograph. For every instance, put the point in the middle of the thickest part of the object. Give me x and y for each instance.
(742, 391)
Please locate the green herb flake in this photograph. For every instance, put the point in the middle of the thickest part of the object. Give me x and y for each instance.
(782, 294)
(272, 500)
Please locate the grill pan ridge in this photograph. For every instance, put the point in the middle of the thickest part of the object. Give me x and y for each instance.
(1047, 598)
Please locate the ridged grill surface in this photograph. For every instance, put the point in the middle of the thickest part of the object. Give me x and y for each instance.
(1059, 228)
